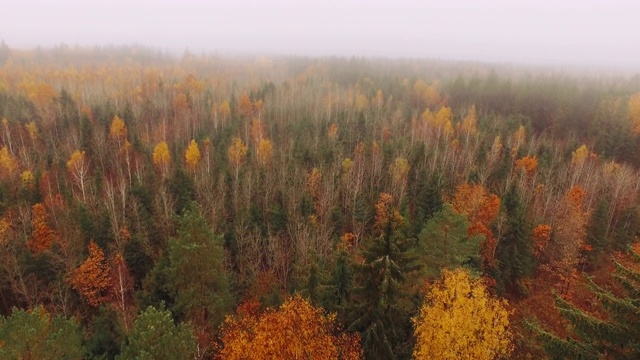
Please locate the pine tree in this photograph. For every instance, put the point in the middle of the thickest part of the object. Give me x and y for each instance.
(514, 251)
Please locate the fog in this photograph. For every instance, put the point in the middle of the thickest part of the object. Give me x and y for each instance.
(587, 32)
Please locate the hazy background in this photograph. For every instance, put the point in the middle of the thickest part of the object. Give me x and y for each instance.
(587, 32)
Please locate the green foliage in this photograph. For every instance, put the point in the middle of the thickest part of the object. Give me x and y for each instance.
(194, 271)
(381, 304)
(514, 252)
(35, 334)
(155, 337)
(445, 244)
(614, 336)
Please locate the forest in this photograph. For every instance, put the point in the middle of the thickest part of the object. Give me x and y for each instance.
(155, 206)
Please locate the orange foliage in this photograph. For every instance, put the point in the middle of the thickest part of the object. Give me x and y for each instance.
(332, 134)
(296, 330)
(386, 213)
(258, 130)
(528, 164)
(245, 106)
(481, 207)
(92, 278)
(43, 236)
(541, 237)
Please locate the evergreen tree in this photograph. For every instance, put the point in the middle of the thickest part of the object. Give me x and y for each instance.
(597, 233)
(445, 243)
(614, 336)
(514, 254)
(194, 271)
(380, 311)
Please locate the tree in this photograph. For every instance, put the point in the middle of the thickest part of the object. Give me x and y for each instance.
(237, 153)
(43, 236)
(461, 320)
(482, 208)
(118, 130)
(612, 332)
(195, 274)
(78, 166)
(380, 310)
(296, 330)
(162, 157)
(93, 278)
(192, 155)
(445, 242)
(514, 252)
(35, 334)
(155, 337)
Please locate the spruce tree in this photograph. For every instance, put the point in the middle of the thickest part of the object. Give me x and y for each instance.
(380, 312)
(616, 335)
(515, 259)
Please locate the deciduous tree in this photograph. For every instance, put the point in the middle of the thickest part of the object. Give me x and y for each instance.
(461, 320)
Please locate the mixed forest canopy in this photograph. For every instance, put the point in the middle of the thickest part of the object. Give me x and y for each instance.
(205, 207)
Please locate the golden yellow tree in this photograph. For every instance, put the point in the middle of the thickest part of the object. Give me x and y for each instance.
(264, 152)
(7, 162)
(78, 166)
(297, 330)
(237, 153)
(461, 320)
(118, 130)
(192, 155)
(162, 157)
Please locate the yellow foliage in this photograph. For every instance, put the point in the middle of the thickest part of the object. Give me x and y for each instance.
(470, 122)
(347, 164)
(118, 129)
(27, 179)
(192, 155)
(161, 155)
(461, 320)
(264, 152)
(580, 155)
(32, 129)
(7, 162)
(225, 109)
(362, 103)
(237, 152)
(76, 160)
(399, 170)
(296, 330)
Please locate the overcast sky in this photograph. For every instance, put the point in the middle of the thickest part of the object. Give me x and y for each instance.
(585, 32)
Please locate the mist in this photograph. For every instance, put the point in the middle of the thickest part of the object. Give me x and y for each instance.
(586, 33)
